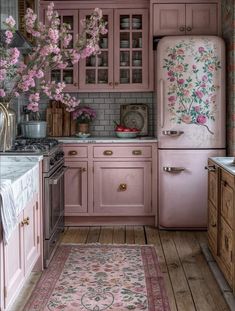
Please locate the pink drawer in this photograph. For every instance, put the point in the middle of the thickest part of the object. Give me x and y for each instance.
(123, 152)
(75, 151)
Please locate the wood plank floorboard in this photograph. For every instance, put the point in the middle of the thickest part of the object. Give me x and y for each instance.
(189, 282)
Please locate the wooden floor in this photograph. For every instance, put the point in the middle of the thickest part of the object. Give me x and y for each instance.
(189, 282)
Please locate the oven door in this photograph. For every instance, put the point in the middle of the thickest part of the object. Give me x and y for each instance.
(53, 201)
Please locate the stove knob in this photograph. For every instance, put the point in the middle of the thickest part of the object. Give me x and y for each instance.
(52, 161)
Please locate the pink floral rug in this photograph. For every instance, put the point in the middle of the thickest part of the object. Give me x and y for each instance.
(101, 277)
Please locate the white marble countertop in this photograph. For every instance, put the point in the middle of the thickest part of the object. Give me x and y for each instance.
(225, 162)
(105, 140)
(23, 172)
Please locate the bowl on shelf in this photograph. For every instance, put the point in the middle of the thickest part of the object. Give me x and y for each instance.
(124, 43)
(125, 20)
(136, 25)
(125, 25)
(136, 20)
(126, 134)
(124, 63)
(137, 62)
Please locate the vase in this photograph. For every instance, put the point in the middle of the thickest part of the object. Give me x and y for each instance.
(83, 128)
(7, 127)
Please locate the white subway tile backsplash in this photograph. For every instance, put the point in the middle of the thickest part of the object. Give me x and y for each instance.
(107, 107)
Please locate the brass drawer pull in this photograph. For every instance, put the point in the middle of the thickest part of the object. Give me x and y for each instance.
(108, 152)
(73, 152)
(123, 187)
(182, 28)
(83, 169)
(189, 28)
(213, 225)
(210, 168)
(137, 152)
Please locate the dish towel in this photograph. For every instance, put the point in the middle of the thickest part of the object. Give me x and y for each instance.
(7, 208)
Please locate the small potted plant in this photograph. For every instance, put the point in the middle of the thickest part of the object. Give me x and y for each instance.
(83, 116)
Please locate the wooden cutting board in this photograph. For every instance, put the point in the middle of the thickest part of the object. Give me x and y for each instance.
(59, 121)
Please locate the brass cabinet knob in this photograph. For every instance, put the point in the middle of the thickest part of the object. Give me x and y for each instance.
(123, 187)
(108, 152)
(182, 28)
(75, 84)
(137, 152)
(116, 83)
(73, 152)
(110, 83)
(213, 225)
(83, 169)
(25, 221)
(189, 28)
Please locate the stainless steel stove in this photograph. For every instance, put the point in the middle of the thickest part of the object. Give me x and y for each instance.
(53, 170)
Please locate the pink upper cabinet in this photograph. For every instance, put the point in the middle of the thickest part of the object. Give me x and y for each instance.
(191, 92)
(189, 19)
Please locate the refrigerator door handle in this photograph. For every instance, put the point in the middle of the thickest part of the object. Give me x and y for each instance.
(162, 102)
(170, 169)
(172, 133)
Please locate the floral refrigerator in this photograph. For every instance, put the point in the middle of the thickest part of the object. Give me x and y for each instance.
(190, 90)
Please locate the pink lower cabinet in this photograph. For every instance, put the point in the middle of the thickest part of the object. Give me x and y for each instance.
(21, 253)
(75, 188)
(122, 188)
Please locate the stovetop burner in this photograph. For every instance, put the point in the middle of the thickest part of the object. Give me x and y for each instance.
(35, 144)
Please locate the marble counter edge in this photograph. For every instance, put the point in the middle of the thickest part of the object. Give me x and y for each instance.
(105, 140)
(225, 162)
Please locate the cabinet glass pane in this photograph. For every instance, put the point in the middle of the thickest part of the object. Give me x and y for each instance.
(68, 20)
(137, 58)
(55, 76)
(104, 42)
(90, 76)
(68, 76)
(104, 59)
(137, 40)
(137, 76)
(124, 76)
(102, 76)
(124, 22)
(124, 58)
(124, 40)
(136, 22)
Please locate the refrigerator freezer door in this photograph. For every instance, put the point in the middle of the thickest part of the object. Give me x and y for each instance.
(183, 187)
(191, 92)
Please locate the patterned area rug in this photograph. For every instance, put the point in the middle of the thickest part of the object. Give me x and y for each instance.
(101, 277)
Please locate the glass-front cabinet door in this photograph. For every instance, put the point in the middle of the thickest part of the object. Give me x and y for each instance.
(69, 75)
(131, 49)
(97, 70)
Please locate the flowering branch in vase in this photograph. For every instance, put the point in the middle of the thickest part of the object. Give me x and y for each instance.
(51, 51)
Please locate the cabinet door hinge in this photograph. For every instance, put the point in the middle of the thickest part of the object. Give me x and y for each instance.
(38, 239)
(5, 291)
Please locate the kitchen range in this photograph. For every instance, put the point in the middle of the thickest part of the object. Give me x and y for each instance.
(52, 186)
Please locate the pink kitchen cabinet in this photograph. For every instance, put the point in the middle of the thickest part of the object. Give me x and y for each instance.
(76, 188)
(110, 183)
(22, 252)
(186, 18)
(123, 61)
(122, 188)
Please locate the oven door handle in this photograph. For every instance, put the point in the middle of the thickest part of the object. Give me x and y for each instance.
(56, 177)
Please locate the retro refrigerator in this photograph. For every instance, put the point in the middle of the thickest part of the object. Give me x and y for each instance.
(190, 92)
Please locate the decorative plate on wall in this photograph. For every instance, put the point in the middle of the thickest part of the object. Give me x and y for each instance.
(135, 115)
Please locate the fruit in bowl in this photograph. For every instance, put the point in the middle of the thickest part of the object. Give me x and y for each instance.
(126, 132)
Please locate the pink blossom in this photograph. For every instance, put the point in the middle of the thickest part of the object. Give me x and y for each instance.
(16, 94)
(179, 68)
(186, 118)
(199, 94)
(172, 98)
(53, 34)
(201, 119)
(39, 74)
(14, 53)
(180, 52)
(197, 108)
(181, 81)
(9, 36)
(10, 21)
(204, 78)
(201, 49)
(194, 67)
(2, 74)
(34, 97)
(186, 93)
(2, 93)
(203, 85)
(211, 67)
(67, 39)
(170, 73)
(172, 79)
(33, 107)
